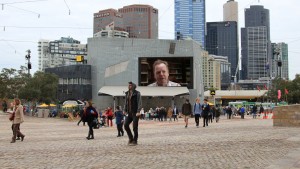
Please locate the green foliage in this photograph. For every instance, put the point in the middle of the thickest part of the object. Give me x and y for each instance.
(41, 87)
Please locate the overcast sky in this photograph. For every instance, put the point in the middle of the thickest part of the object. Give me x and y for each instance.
(23, 24)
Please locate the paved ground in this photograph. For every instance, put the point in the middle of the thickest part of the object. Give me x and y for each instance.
(236, 143)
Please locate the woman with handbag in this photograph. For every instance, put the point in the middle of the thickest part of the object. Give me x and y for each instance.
(17, 119)
(91, 114)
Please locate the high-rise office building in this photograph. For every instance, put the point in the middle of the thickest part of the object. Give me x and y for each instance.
(108, 18)
(280, 60)
(190, 20)
(256, 45)
(222, 40)
(230, 11)
(61, 52)
(140, 21)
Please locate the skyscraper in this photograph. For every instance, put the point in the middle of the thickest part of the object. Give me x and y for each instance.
(230, 11)
(222, 40)
(107, 17)
(256, 45)
(190, 20)
(140, 21)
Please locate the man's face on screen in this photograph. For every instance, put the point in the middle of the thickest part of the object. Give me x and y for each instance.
(161, 74)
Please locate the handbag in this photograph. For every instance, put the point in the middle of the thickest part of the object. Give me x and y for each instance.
(12, 116)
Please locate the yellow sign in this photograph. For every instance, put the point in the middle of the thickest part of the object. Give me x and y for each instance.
(212, 92)
(79, 58)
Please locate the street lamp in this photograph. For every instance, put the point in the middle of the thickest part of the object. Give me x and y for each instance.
(27, 57)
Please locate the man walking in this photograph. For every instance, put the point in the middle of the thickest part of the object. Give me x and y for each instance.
(205, 111)
(186, 111)
(133, 104)
(197, 111)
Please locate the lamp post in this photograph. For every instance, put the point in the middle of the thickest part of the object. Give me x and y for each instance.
(27, 57)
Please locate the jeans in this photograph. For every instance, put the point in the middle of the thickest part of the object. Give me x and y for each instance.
(91, 131)
(135, 121)
(197, 117)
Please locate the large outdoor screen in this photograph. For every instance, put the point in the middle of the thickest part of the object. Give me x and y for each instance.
(180, 70)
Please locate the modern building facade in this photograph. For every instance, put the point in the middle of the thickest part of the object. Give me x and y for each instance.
(108, 17)
(112, 33)
(116, 61)
(140, 21)
(280, 54)
(230, 11)
(74, 82)
(222, 40)
(190, 20)
(59, 52)
(216, 72)
(256, 45)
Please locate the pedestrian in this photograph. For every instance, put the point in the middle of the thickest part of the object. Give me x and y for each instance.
(4, 106)
(109, 115)
(142, 114)
(205, 111)
(170, 114)
(175, 113)
(133, 104)
(81, 116)
(229, 112)
(119, 121)
(186, 111)
(197, 111)
(211, 114)
(17, 119)
(242, 111)
(262, 110)
(11, 110)
(218, 113)
(254, 110)
(91, 118)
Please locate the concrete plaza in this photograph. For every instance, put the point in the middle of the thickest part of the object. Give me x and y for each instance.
(236, 143)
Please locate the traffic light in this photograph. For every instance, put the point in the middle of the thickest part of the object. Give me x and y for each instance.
(79, 58)
(212, 92)
(279, 63)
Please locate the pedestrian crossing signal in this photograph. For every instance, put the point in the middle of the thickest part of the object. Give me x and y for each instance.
(79, 58)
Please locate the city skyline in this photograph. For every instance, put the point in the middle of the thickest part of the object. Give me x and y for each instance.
(24, 24)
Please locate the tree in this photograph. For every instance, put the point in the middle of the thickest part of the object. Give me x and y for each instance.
(12, 81)
(42, 87)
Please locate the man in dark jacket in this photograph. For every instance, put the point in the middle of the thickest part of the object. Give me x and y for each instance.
(133, 105)
(205, 111)
(186, 111)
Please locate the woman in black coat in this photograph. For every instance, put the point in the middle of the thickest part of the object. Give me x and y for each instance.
(91, 116)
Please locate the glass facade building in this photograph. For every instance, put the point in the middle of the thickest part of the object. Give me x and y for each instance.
(190, 20)
(256, 45)
(222, 40)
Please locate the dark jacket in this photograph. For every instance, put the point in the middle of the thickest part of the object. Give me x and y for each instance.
(187, 109)
(135, 102)
(119, 116)
(90, 114)
(175, 112)
(205, 110)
